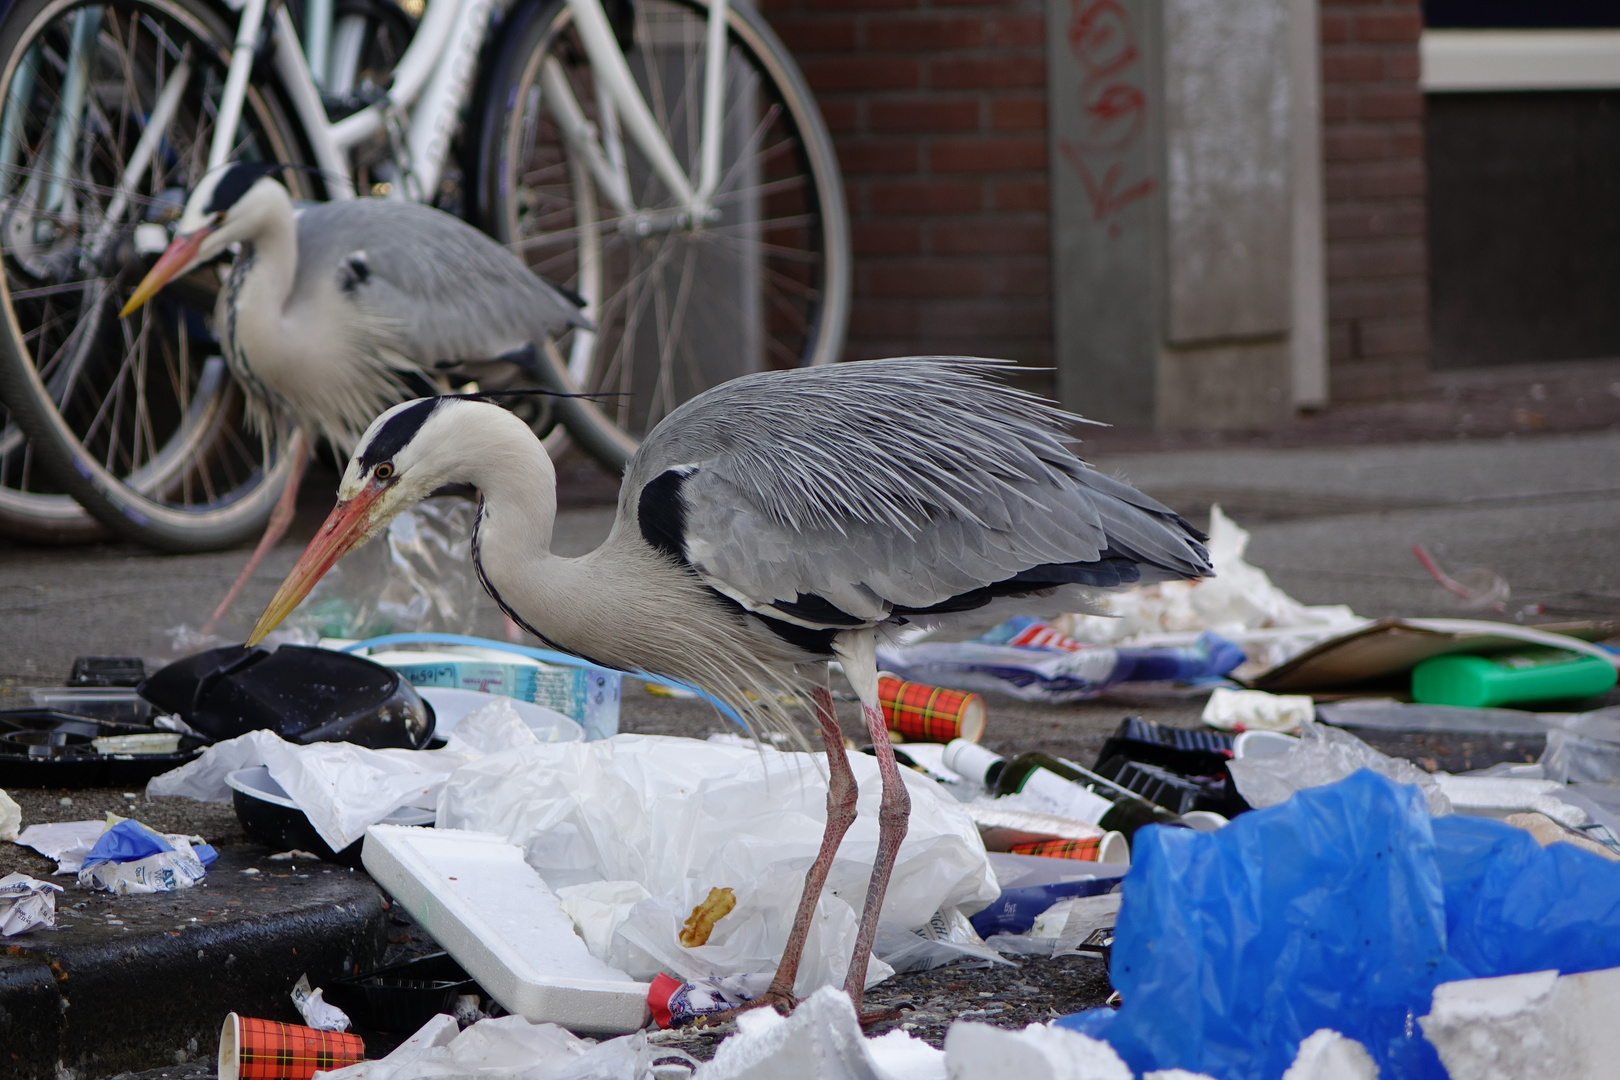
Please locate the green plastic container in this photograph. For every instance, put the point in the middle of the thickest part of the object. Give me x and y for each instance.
(1480, 682)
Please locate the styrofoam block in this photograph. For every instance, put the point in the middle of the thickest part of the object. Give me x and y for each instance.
(982, 1052)
(1540, 1024)
(490, 910)
(1327, 1055)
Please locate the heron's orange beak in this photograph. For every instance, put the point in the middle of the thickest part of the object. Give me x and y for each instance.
(346, 526)
(173, 262)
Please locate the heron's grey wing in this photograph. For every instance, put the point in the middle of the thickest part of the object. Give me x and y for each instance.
(451, 292)
(844, 494)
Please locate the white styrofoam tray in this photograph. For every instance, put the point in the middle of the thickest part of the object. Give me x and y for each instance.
(491, 911)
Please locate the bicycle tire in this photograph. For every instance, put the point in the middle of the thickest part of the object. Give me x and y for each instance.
(178, 470)
(782, 205)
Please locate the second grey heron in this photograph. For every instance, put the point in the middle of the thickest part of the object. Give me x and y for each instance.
(331, 314)
(769, 525)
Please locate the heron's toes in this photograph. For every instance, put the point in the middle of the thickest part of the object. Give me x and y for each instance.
(781, 1002)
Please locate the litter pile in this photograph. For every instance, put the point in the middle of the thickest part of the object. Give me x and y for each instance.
(1272, 894)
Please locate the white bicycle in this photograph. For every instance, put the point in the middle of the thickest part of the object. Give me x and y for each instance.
(664, 160)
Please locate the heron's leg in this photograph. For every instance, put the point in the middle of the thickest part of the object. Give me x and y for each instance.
(280, 518)
(857, 650)
(841, 796)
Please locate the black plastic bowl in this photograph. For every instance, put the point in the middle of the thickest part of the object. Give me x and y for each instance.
(304, 695)
(404, 996)
(274, 820)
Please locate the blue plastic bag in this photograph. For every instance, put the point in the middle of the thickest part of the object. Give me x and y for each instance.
(1341, 908)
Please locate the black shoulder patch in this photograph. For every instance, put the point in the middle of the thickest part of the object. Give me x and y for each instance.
(400, 429)
(235, 183)
(817, 609)
(661, 513)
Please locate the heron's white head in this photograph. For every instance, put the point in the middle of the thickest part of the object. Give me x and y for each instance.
(231, 204)
(406, 454)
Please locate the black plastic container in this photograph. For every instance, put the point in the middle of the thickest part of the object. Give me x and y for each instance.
(274, 820)
(1174, 767)
(304, 695)
(402, 997)
(28, 758)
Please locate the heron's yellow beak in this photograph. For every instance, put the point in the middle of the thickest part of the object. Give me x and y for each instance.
(346, 526)
(173, 262)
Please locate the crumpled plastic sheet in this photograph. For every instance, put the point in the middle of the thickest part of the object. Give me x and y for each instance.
(1584, 747)
(1341, 908)
(129, 859)
(509, 1048)
(26, 903)
(1324, 755)
(678, 816)
(343, 788)
(821, 1040)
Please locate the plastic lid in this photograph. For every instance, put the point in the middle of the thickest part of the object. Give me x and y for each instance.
(969, 759)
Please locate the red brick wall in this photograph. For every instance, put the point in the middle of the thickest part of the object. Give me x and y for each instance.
(938, 112)
(1377, 254)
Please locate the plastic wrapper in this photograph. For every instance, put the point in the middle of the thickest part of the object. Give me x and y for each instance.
(131, 859)
(1325, 754)
(343, 788)
(676, 1004)
(1239, 602)
(417, 576)
(26, 903)
(1052, 674)
(1584, 747)
(679, 817)
(944, 939)
(1342, 908)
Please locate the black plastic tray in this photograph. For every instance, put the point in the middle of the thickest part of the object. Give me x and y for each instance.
(404, 996)
(86, 769)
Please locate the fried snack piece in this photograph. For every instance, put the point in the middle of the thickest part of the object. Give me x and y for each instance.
(700, 924)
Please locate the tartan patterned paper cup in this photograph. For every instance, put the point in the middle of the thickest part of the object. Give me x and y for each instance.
(1110, 847)
(930, 713)
(254, 1049)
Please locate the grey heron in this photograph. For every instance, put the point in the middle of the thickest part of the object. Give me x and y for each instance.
(329, 312)
(774, 523)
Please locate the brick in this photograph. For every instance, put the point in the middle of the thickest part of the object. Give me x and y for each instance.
(1338, 184)
(1386, 26)
(1396, 179)
(877, 155)
(989, 319)
(1355, 144)
(1373, 105)
(1335, 105)
(1395, 337)
(857, 5)
(923, 114)
(987, 155)
(1343, 67)
(933, 277)
(840, 115)
(924, 32)
(870, 238)
(986, 72)
(1018, 277)
(1402, 66)
(1018, 113)
(1377, 297)
(1021, 195)
(1396, 258)
(1406, 140)
(1335, 27)
(998, 238)
(1362, 222)
(1016, 30)
(879, 318)
(861, 73)
(816, 35)
(926, 197)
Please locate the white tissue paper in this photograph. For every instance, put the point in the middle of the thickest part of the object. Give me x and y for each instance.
(317, 1012)
(343, 788)
(10, 817)
(678, 817)
(68, 842)
(1256, 710)
(26, 904)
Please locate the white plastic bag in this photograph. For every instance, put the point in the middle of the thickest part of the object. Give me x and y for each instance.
(679, 817)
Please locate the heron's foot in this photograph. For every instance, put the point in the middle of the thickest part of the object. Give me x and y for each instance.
(883, 1016)
(775, 999)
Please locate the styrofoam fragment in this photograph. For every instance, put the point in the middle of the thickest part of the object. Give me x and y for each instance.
(1539, 1025)
(1327, 1055)
(501, 922)
(1039, 1052)
(822, 1040)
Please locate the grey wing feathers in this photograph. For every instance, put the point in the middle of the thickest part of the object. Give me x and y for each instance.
(896, 484)
(452, 292)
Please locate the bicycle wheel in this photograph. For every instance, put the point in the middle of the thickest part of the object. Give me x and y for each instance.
(680, 305)
(137, 419)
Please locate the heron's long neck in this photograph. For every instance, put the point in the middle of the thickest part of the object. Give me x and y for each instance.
(266, 282)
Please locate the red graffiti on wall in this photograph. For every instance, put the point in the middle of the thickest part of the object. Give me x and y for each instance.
(1113, 107)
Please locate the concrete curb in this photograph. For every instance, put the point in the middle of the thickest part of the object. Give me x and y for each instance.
(128, 983)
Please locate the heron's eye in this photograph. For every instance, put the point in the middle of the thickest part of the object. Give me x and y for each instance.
(219, 218)
(383, 471)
